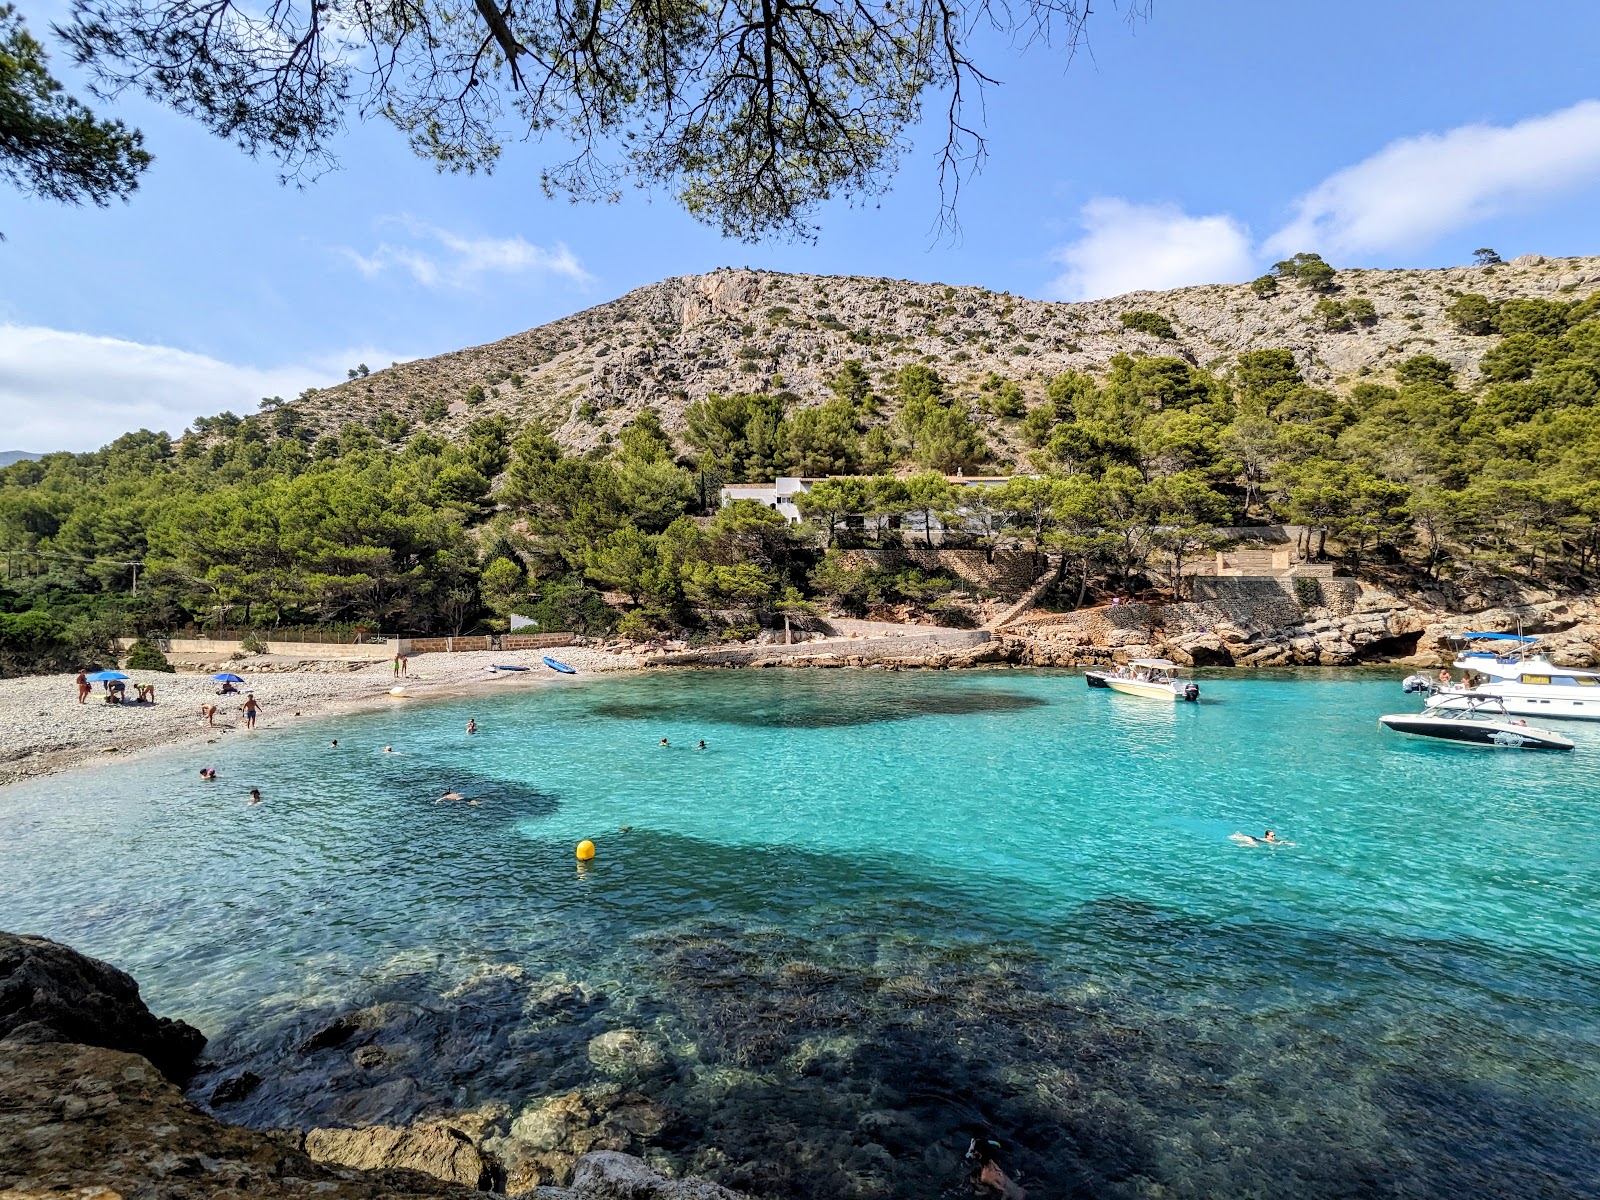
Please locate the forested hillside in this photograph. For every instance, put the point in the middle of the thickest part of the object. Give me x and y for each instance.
(1476, 453)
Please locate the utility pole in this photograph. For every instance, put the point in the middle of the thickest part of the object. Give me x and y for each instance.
(135, 567)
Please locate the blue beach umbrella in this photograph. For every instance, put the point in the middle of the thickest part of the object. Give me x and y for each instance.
(103, 676)
(226, 677)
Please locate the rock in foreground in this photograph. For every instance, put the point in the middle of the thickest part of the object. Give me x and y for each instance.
(84, 1117)
(51, 993)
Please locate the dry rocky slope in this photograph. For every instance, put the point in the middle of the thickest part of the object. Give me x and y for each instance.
(676, 341)
(89, 1108)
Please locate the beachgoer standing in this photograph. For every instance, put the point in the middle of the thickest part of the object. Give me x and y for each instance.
(405, 665)
(84, 687)
(397, 666)
(251, 708)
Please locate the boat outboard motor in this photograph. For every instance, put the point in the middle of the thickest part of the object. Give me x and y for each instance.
(1191, 691)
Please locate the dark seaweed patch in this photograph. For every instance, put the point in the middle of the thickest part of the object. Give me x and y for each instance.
(817, 713)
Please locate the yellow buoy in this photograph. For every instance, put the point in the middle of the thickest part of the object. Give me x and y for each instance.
(585, 850)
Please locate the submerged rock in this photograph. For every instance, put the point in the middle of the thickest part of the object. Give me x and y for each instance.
(547, 1139)
(607, 1175)
(627, 1052)
(51, 993)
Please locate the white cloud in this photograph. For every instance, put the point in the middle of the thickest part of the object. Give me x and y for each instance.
(439, 258)
(1135, 247)
(75, 391)
(1419, 188)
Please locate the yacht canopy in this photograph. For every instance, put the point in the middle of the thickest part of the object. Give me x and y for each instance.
(1494, 637)
(1153, 662)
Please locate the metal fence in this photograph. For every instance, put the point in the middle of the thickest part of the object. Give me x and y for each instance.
(283, 633)
(497, 641)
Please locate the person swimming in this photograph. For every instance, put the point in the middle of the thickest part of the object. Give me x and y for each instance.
(334, 744)
(702, 744)
(454, 796)
(472, 725)
(663, 741)
(255, 795)
(208, 773)
(1266, 839)
(388, 749)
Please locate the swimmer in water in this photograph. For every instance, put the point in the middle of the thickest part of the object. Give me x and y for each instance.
(986, 1170)
(334, 744)
(208, 773)
(663, 741)
(255, 795)
(388, 749)
(454, 796)
(472, 725)
(702, 744)
(1266, 839)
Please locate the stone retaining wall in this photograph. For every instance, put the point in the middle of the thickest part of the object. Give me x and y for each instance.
(1010, 574)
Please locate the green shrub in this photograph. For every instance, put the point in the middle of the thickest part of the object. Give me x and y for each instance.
(1141, 321)
(251, 643)
(142, 656)
(1308, 591)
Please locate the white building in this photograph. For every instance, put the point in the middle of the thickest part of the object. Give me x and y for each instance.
(780, 495)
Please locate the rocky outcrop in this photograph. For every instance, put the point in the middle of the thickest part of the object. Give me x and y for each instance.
(1265, 623)
(51, 993)
(87, 1121)
(437, 1148)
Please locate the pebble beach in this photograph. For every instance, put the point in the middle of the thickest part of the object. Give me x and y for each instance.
(43, 728)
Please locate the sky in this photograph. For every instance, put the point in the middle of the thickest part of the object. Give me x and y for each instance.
(1196, 146)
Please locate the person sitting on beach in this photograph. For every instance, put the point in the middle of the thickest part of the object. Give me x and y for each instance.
(472, 725)
(454, 796)
(227, 689)
(84, 687)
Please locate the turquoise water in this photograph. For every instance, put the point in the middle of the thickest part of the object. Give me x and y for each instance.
(879, 912)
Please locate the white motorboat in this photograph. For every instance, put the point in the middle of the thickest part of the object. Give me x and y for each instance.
(1527, 683)
(1473, 721)
(1156, 678)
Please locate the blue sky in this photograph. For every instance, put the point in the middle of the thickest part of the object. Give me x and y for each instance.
(1196, 146)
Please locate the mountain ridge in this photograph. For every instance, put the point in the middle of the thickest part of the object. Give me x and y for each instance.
(670, 343)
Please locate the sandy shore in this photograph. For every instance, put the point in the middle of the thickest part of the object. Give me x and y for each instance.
(44, 729)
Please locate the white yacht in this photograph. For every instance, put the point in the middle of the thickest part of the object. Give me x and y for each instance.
(1526, 682)
(1156, 678)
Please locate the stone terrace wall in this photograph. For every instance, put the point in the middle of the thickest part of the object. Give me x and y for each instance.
(1010, 574)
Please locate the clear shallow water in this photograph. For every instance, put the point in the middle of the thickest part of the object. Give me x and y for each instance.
(879, 911)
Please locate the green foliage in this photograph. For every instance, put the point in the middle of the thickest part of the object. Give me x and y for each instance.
(1483, 256)
(253, 643)
(50, 144)
(142, 656)
(1264, 286)
(1156, 325)
(1472, 313)
(1309, 271)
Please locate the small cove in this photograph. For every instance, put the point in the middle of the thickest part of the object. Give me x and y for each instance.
(881, 909)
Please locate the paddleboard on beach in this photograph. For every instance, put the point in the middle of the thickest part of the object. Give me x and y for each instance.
(558, 666)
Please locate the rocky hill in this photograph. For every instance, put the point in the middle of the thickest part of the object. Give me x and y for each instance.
(674, 342)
